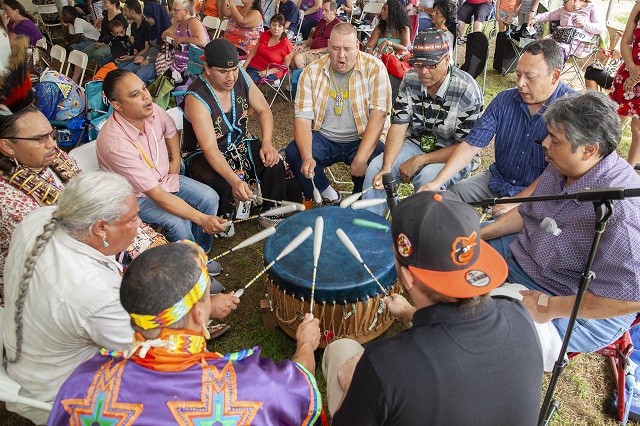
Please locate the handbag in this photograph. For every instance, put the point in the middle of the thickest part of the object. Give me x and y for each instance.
(395, 66)
(164, 58)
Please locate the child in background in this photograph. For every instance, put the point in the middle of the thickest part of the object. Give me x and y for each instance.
(119, 41)
(507, 13)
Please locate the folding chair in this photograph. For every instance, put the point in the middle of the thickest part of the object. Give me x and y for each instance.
(79, 59)
(9, 388)
(59, 53)
(43, 43)
(222, 28)
(86, 157)
(48, 26)
(618, 354)
(278, 86)
(298, 39)
(476, 54)
(576, 65)
(211, 23)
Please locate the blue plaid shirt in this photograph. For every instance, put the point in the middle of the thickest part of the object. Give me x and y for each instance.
(519, 160)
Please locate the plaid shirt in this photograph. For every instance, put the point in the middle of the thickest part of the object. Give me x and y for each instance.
(369, 89)
(451, 113)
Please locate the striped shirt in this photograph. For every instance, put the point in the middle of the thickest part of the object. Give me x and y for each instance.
(450, 114)
(519, 160)
(369, 89)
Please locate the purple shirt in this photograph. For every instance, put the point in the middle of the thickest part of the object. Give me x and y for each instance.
(556, 262)
(26, 28)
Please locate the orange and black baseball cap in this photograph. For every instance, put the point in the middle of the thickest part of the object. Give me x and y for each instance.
(438, 237)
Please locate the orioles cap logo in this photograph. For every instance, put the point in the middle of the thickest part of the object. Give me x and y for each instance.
(463, 248)
(229, 63)
(404, 245)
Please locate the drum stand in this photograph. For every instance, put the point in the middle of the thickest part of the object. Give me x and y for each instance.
(602, 203)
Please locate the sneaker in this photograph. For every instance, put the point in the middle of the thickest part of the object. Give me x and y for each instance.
(214, 268)
(230, 232)
(462, 40)
(328, 202)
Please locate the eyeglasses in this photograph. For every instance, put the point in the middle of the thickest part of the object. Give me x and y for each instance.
(429, 67)
(40, 139)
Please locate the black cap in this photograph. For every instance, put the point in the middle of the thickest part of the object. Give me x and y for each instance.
(438, 237)
(429, 47)
(220, 53)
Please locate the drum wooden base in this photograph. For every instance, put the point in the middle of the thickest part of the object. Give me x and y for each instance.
(360, 321)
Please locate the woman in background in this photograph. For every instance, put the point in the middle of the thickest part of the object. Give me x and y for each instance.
(19, 22)
(273, 48)
(244, 28)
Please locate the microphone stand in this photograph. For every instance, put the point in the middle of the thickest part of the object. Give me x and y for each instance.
(603, 205)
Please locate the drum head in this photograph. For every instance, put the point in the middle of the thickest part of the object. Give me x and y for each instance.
(340, 276)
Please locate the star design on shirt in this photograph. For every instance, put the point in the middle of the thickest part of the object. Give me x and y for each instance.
(101, 406)
(218, 404)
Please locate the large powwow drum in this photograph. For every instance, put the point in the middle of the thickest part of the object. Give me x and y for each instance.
(347, 300)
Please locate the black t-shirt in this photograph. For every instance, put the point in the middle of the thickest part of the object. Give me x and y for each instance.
(291, 14)
(481, 366)
(140, 35)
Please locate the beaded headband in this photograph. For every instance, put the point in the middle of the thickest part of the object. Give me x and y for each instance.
(184, 305)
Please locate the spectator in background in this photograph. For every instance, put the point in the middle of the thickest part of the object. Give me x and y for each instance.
(289, 10)
(345, 8)
(100, 51)
(444, 13)
(19, 22)
(211, 8)
(479, 9)
(140, 30)
(119, 41)
(273, 48)
(78, 32)
(392, 32)
(244, 27)
(158, 20)
(316, 46)
(424, 9)
(507, 11)
(312, 16)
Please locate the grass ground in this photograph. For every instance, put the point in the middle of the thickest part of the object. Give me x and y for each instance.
(582, 389)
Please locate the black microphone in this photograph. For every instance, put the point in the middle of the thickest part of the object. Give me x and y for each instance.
(391, 188)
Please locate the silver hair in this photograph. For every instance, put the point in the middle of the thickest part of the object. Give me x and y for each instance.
(186, 4)
(86, 199)
(588, 119)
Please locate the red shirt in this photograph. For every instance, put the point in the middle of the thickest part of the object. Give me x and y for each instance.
(320, 37)
(275, 54)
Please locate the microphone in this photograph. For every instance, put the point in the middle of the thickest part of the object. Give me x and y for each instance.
(390, 187)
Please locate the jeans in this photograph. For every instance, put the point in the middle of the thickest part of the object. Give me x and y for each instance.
(197, 195)
(588, 335)
(326, 153)
(102, 55)
(423, 176)
(147, 73)
(424, 24)
(253, 74)
(84, 42)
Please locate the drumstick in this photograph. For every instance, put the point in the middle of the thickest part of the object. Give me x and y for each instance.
(353, 198)
(272, 212)
(251, 240)
(316, 194)
(299, 206)
(301, 238)
(363, 204)
(354, 251)
(317, 247)
(370, 224)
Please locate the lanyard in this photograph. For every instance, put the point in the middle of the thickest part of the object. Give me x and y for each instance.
(424, 121)
(232, 126)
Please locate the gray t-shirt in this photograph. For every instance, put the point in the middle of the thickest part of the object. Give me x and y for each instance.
(339, 128)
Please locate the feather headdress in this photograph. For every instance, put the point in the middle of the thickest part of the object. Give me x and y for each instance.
(16, 92)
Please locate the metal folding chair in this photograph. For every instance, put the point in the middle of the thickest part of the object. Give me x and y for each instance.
(79, 59)
(59, 53)
(278, 86)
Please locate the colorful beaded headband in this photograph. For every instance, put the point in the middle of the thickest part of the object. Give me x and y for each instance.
(184, 305)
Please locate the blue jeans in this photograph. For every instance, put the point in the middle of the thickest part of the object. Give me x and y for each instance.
(84, 42)
(588, 335)
(423, 176)
(147, 73)
(424, 24)
(197, 195)
(326, 153)
(253, 74)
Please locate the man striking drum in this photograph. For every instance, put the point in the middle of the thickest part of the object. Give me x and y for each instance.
(467, 359)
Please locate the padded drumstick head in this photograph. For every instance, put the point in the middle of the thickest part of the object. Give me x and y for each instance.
(301, 238)
(350, 200)
(317, 239)
(363, 204)
(348, 244)
(299, 206)
(255, 238)
(280, 210)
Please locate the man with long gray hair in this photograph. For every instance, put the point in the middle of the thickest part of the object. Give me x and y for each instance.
(546, 244)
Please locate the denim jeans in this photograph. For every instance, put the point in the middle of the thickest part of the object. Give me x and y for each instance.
(147, 73)
(253, 74)
(588, 335)
(326, 153)
(423, 176)
(197, 195)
